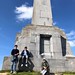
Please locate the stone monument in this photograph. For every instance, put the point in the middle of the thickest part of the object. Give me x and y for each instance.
(45, 41)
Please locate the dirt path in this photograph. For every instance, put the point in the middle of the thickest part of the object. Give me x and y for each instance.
(3, 73)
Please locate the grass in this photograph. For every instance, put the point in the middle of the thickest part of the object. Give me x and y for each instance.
(38, 73)
(26, 73)
(69, 73)
(20, 73)
(3, 71)
(34, 73)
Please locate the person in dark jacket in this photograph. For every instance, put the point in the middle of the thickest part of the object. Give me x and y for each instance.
(25, 55)
(14, 53)
(45, 67)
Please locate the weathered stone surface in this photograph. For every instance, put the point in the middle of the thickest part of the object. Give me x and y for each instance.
(55, 58)
(42, 14)
(6, 63)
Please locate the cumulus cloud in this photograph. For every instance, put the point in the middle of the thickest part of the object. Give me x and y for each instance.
(71, 38)
(24, 12)
(72, 43)
(71, 35)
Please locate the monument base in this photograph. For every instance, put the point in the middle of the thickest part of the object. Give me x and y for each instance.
(47, 41)
(55, 65)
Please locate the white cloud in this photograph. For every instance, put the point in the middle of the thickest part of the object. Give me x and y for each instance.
(24, 12)
(72, 43)
(71, 38)
(71, 35)
(63, 29)
(54, 23)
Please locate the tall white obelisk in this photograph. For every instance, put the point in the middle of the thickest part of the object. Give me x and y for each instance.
(42, 14)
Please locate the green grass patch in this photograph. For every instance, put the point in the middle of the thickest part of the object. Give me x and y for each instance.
(69, 73)
(26, 73)
(33, 73)
(3, 71)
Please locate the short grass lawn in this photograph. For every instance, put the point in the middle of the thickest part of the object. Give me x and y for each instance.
(27, 73)
(69, 73)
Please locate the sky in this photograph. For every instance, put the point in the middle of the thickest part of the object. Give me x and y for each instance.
(16, 14)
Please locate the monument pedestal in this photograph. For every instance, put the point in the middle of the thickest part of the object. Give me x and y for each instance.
(49, 42)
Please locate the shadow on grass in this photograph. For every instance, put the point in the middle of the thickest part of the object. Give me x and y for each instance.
(3, 71)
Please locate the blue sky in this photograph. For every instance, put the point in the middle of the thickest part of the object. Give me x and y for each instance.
(16, 14)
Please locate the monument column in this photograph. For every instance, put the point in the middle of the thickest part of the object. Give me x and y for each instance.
(42, 14)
